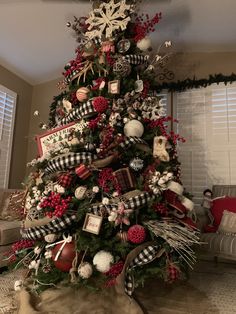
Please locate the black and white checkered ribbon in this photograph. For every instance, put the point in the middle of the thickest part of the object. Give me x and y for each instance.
(136, 59)
(68, 161)
(70, 77)
(146, 256)
(131, 203)
(132, 140)
(82, 111)
(54, 226)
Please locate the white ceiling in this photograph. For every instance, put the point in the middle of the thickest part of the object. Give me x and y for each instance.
(35, 42)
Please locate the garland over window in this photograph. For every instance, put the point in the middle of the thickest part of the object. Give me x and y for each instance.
(196, 83)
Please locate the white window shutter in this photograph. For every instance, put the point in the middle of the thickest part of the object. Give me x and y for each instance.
(7, 119)
(207, 119)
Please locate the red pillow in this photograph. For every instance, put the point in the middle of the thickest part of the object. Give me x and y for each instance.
(221, 204)
(210, 229)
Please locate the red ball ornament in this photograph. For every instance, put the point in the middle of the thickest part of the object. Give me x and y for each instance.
(136, 234)
(66, 257)
(100, 104)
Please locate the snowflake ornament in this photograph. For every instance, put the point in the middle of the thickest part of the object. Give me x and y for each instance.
(108, 18)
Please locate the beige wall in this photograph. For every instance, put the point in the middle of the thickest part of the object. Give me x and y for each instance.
(21, 130)
(41, 100)
(201, 65)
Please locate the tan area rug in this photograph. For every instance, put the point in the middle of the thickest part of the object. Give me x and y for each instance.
(155, 298)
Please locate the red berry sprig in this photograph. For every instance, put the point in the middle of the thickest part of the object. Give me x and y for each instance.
(55, 205)
(144, 25)
(22, 244)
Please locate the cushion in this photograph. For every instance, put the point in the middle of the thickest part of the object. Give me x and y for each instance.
(9, 231)
(11, 205)
(228, 223)
(221, 204)
(209, 228)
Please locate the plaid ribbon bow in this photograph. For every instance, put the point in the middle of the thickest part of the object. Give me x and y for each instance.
(146, 256)
(78, 113)
(71, 160)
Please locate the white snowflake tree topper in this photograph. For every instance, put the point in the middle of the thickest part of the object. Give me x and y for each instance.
(108, 18)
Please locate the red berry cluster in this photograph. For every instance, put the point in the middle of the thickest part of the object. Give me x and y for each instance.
(93, 124)
(100, 104)
(114, 271)
(145, 25)
(72, 66)
(107, 139)
(55, 205)
(22, 244)
(176, 137)
(107, 181)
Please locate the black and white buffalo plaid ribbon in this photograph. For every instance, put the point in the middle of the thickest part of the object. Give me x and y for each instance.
(131, 203)
(132, 140)
(78, 113)
(71, 160)
(54, 226)
(146, 256)
(136, 59)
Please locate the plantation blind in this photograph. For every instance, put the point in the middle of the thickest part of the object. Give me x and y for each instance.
(7, 118)
(207, 119)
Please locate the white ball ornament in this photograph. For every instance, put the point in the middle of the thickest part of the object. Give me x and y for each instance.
(85, 270)
(102, 261)
(134, 128)
(144, 44)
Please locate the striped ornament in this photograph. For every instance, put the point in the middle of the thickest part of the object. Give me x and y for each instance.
(83, 172)
(82, 94)
(136, 59)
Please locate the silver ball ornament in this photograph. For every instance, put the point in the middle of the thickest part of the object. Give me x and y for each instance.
(136, 164)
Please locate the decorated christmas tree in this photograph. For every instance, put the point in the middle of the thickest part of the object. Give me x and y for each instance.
(104, 197)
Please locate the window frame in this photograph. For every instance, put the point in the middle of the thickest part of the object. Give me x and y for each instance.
(12, 94)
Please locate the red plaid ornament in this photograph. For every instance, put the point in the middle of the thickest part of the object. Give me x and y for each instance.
(173, 272)
(65, 180)
(83, 172)
(125, 179)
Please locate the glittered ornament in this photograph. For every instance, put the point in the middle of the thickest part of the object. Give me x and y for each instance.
(102, 261)
(122, 67)
(122, 236)
(123, 45)
(136, 164)
(82, 94)
(63, 256)
(85, 270)
(134, 128)
(137, 234)
(100, 104)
